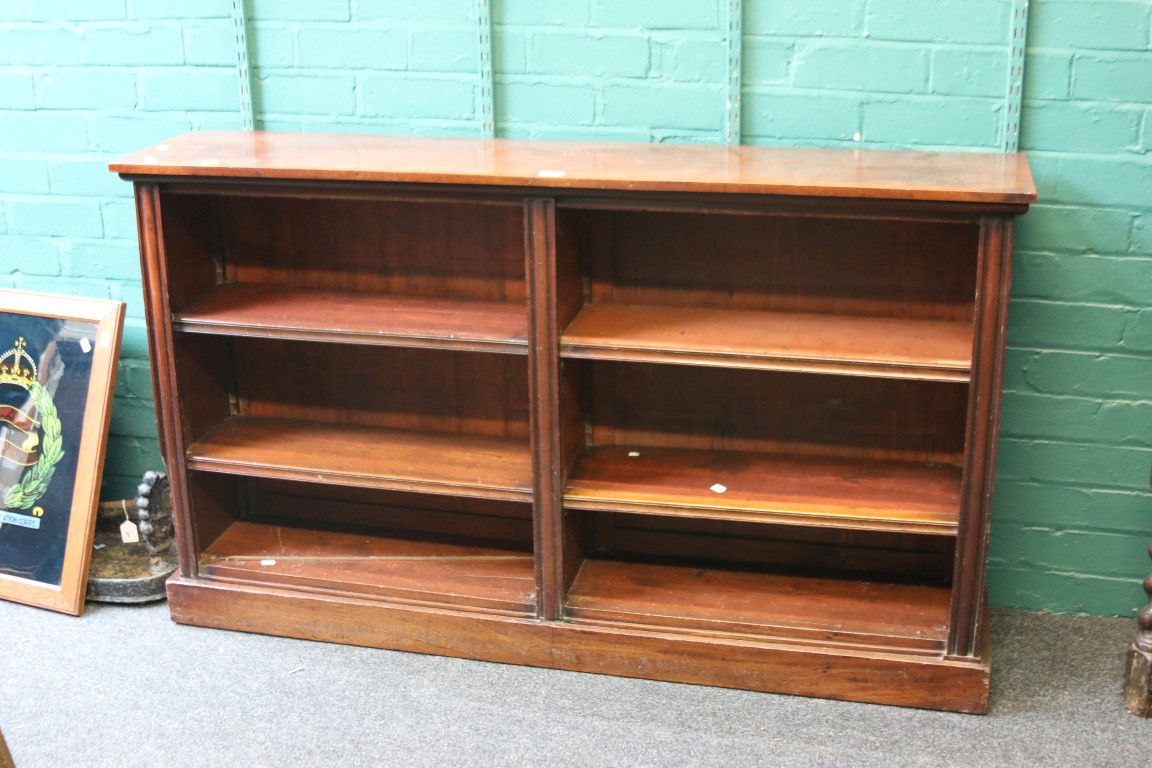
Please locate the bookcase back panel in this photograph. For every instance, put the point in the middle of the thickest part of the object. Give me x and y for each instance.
(426, 390)
(759, 546)
(741, 410)
(413, 515)
(448, 250)
(873, 267)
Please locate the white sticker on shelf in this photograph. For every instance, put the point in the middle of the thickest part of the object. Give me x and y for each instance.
(267, 562)
(633, 454)
(550, 174)
(718, 488)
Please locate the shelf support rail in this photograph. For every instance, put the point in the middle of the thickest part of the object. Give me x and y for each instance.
(485, 108)
(1015, 92)
(243, 73)
(733, 127)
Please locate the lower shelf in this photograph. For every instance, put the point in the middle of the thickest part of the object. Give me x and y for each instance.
(911, 618)
(420, 572)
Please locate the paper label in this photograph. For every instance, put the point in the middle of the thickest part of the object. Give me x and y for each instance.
(129, 533)
(24, 521)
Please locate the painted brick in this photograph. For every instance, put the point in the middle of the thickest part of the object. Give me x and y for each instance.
(28, 256)
(132, 452)
(955, 121)
(134, 46)
(813, 18)
(134, 380)
(306, 94)
(1074, 229)
(85, 177)
(1069, 326)
(962, 72)
(215, 121)
(1089, 24)
(119, 135)
(1102, 181)
(131, 292)
(417, 97)
(445, 50)
(583, 133)
(537, 102)
(119, 217)
(16, 92)
(352, 48)
(24, 177)
(179, 9)
(92, 288)
(765, 61)
(70, 89)
(132, 419)
(1146, 142)
(271, 46)
(189, 88)
(1046, 549)
(1138, 333)
(134, 341)
(1036, 416)
(1088, 374)
(1063, 507)
(1083, 278)
(691, 60)
(571, 13)
(658, 14)
(210, 46)
(1142, 235)
(667, 106)
(584, 55)
(954, 21)
(69, 10)
(48, 216)
(39, 132)
(1098, 466)
(1076, 127)
(783, 115)
(1047, 75)
(42, 45)
(509, 51)
(425, 12)
(1063, 592)
(300, 10)
(104, 258)
(1117, 78)
(861, 67)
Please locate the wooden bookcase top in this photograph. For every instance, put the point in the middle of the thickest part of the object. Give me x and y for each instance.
(988, 178)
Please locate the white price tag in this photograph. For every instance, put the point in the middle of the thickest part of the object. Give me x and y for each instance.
(129, 533)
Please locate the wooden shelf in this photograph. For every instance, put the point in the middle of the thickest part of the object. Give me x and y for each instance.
(367, 457)
(874, 346)
(282, 312)
(762, 605)
(859, 494)
(435, 573)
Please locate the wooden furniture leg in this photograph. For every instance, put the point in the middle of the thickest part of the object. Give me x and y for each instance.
(1138, 673)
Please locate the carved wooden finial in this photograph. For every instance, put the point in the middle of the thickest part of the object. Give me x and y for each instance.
(1138, 675)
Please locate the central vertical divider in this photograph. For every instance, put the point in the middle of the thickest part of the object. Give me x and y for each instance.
(544, 405)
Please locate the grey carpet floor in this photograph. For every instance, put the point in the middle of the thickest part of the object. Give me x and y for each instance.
(123, 687)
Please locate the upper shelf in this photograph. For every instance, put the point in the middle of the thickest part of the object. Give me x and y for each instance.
(873, 346)
(307, 314)
(990, 178)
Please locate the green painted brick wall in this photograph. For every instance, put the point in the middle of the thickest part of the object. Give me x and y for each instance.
(84, 81)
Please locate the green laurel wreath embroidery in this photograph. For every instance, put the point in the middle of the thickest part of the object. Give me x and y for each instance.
(33, 485)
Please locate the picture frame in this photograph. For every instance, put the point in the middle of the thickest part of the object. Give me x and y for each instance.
(58, 359)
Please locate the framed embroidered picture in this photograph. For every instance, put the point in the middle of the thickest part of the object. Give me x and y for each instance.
(58, 358)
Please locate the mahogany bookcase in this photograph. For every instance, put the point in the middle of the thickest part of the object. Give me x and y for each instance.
(694, 413)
